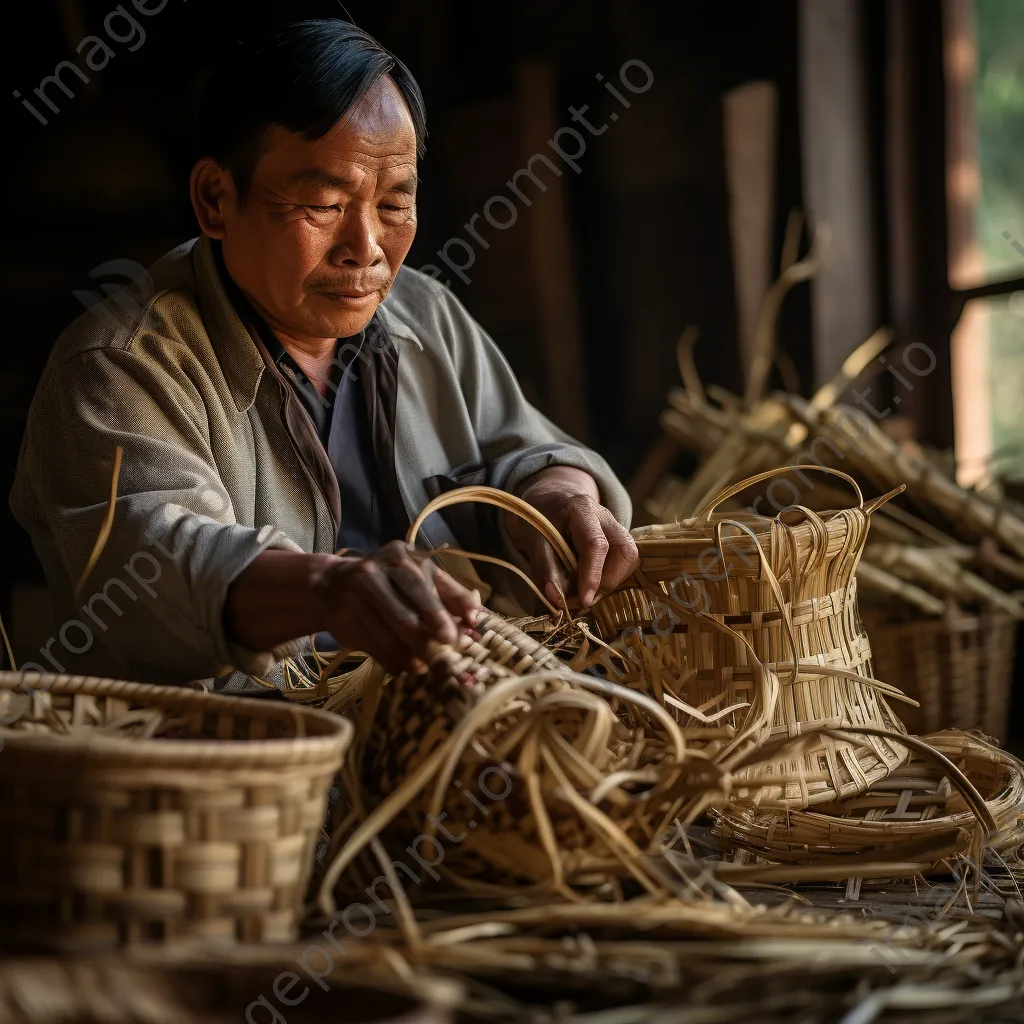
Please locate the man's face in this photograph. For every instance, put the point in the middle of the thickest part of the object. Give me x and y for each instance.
(326, 224)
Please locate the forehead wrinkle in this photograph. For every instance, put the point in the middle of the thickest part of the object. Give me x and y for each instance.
(318, 176)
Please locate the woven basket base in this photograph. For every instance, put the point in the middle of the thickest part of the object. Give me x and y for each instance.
(901, 812)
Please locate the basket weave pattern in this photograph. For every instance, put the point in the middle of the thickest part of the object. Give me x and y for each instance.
(417, 714)
(118, 841)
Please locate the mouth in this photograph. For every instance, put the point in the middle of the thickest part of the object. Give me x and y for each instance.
(349, 297)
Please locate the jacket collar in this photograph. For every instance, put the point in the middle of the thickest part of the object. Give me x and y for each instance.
(395, 327)
(235, 343)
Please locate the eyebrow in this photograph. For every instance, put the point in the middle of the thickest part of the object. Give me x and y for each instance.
(318, 176)
(406, 185)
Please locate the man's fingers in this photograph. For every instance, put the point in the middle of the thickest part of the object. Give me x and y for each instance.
(549, 572)
(404, 619)
(415, 582)
(622, 552)
(591, 544)
(462, 603)
(381, 642)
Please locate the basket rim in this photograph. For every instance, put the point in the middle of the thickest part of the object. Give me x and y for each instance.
(331, 744)
(691, 529)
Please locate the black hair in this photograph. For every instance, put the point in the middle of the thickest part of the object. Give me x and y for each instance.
(303, 76)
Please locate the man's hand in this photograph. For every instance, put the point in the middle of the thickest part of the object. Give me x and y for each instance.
(569, 498)
(391, 605)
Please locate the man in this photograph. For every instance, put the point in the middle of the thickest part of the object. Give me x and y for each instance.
(290, 390)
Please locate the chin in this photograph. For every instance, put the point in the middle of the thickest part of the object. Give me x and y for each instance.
(343, 323)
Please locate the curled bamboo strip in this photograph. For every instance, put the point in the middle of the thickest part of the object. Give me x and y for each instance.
(507, 503)
(764, 335)
(105, 528)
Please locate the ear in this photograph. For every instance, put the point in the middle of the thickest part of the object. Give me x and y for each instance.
(213, 193)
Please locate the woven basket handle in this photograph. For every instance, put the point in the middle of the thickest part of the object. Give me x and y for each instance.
(734, 489)
(507, 503)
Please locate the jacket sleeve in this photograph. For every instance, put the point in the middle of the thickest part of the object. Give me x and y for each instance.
(155, 598)
(515, 439)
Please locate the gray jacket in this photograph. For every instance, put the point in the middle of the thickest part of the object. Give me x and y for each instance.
(213, 473)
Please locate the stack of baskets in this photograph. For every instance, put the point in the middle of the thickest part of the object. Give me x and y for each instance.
(137, 814)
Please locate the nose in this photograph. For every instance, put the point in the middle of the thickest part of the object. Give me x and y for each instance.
(357, 244)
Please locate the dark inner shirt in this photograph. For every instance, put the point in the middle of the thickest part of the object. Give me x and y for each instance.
(342, 422)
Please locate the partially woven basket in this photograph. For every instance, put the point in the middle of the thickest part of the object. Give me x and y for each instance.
(958, 666)
(205, 831)
(503, 768)
(748, 626)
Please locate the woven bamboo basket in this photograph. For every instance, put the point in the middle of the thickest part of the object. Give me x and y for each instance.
(136, 814)
(958, 666)
(956, 790)
(748, 626)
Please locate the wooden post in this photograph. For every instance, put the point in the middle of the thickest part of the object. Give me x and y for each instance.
(750, 133)
(551, 257)
(836, 178)
(969, 344)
